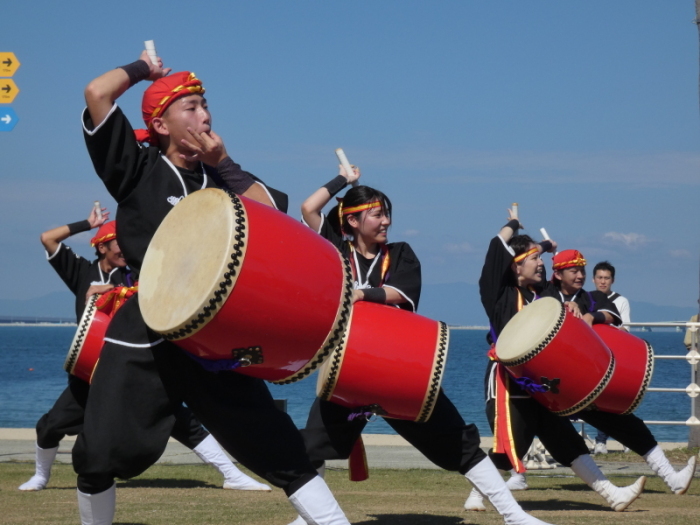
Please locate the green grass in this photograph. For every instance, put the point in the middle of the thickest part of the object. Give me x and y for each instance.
(192, 494)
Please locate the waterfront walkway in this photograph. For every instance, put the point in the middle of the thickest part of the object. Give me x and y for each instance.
(383, 451)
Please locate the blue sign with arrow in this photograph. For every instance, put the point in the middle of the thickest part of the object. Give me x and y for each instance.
(8, 119)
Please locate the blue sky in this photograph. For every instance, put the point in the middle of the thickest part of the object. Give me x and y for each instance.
(586, 113)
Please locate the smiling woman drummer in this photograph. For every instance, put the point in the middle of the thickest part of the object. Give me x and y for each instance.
(389, 273)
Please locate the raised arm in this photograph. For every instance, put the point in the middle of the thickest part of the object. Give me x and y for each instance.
(52, 238)
(102, 92)
(311, 208)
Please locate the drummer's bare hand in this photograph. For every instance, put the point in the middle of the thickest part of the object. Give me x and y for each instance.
(357, 295)
(94, 220)
(156, 71)
(588, 318)
(98, 289)
(355, 175)
(511, 216)
(206, 147)
(573, 308)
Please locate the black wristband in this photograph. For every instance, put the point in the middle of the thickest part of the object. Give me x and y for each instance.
(514, 224)
(336, 184)
(77, 227)
(598, 318)
(237, 180)
(546, 246)
(374, 295)
(137, 71)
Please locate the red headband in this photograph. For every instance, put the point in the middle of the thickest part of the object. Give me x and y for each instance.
(106, 233)
(568, 259)
(160, 95)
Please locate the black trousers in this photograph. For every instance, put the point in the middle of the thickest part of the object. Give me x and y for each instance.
(629, 430)
(445, 439)
(65, 418)
(67, 415)
(136, 391)
(530, 419)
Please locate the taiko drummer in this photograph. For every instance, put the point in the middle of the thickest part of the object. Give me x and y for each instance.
(569, 275)
(108, 274)
(512, 277)
(141, 378)
(389, 273)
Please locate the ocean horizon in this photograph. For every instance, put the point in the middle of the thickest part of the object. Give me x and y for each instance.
(32, 377)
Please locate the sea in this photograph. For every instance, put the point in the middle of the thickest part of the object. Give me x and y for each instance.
(32, 377)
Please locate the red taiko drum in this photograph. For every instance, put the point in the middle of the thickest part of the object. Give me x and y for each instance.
(634, 365)
(548, 345)
(84, 351)
(390, 362)
(228, 278)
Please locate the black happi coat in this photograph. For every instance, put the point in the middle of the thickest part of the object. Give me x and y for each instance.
(79, 274)
(144, 183)
(404, 274)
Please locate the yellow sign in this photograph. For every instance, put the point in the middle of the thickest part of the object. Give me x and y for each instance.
(8, 64)
(8, 90)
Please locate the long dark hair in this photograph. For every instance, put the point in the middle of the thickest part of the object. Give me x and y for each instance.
(354, 197)
(519, 244)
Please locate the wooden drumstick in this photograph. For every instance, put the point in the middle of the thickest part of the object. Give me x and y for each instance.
(98, 210)
(514, 211)
(344, 162)
(545, 236)
(151, 50)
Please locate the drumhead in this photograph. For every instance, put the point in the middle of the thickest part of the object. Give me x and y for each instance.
(530, 329)
(192, 262)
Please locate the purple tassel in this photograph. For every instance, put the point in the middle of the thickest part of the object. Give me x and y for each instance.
(217, 365)
(529, 385)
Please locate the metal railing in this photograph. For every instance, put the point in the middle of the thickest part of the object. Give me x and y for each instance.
(693, 358)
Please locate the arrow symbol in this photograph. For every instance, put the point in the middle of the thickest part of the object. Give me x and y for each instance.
(7, 88)
(7, 62)
(6, 119)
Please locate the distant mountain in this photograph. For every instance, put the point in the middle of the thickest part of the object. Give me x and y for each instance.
(454, 303)
(55, 304)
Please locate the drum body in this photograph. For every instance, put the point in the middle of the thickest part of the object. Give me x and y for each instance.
(634, 366)
(228, 278)
(390, 363)
(84, 351)
(549, 346)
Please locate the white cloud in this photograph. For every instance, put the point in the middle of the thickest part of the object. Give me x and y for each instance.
(680, 254)
(629, 240)
(463, 247)
(411, 233)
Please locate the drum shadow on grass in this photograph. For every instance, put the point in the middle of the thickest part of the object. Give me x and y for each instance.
(412, 519)
(166, 483)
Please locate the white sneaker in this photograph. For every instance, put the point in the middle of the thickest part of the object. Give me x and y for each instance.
(475, 501)
(600, 448)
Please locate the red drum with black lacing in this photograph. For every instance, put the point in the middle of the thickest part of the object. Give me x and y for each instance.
(548, 346)
(84, 351)
(231, 280)
(634, 365)
(390, 363)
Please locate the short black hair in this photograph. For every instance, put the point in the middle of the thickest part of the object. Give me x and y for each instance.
(605, 265)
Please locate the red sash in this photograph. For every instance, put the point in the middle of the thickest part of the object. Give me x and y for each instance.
(503, 442)
(357, 462)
